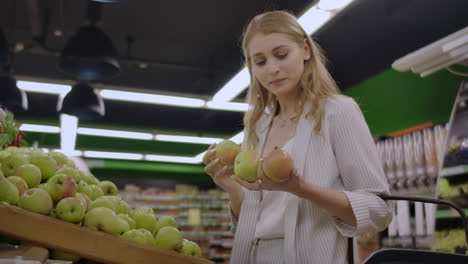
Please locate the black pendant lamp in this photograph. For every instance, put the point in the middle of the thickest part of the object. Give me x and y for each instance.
(11, 97)
(4, 53)
(82, 101)
(90, 53)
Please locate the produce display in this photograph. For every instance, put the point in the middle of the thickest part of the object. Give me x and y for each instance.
(51, 185)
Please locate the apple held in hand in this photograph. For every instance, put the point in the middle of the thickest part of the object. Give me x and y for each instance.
(8, 192)
(108, 188)
(104, 219)
(61, 186)
(12, 162)
(190, 248)
(30, 173)
(278, 165)
(226, 151)
(46, 164)
(245, 165)
(36, 200)
(168, 238)
(141, 236)
(163, 221)
(21, 185)
(70, 209)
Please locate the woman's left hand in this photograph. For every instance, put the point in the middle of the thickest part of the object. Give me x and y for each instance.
(291, 185)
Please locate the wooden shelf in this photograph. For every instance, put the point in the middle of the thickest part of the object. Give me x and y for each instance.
(87, 243)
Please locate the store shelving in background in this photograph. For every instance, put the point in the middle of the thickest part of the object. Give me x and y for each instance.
(202, 216)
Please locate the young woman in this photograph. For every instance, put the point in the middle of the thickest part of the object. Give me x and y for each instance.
(296, 105)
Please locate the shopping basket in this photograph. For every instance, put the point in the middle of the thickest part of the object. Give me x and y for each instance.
(417, 256)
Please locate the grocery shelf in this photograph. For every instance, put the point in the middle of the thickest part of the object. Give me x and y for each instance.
(455, 170)
(87, 243)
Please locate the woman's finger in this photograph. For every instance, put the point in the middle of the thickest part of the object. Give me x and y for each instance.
(210, 154)
(212, 167)
(253, 186)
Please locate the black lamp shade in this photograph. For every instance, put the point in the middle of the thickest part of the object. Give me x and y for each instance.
(83, 102)
(4, 54)
(11, 97)
(90, 55)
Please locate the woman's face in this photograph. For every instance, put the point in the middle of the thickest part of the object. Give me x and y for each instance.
(277, 62)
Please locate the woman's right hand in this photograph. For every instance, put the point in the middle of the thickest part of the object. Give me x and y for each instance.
(221, 174)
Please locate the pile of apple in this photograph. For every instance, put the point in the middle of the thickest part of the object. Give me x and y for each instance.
(50, 184)
(277, 165)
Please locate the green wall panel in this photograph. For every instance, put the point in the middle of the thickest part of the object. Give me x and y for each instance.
(393, 100)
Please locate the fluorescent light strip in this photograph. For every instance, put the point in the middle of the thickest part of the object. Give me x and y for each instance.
(177, 159)
(39, 128)
(48, 88)
(114, 133)
(187, 139)
(229, 106)
(151, 98)
(311, 21)
(112, 155)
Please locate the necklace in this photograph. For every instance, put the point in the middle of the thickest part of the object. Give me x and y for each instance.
(284, 122)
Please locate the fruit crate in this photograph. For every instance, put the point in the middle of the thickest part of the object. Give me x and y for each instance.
(97, 246)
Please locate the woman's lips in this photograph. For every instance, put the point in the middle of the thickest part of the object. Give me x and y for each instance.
(277, 81)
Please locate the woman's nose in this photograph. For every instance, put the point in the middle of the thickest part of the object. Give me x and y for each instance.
(272, 68)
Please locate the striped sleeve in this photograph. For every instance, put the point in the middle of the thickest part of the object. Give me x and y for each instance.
(360, 169)
(234, 220)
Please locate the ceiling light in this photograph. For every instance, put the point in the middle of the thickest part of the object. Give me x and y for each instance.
(39, 128)
(234, 87)
(4, 52)
(82, 101)
(11, 97)
(228, 106)
(69, 125)
(437, 55)
(165, 158)
(151, 98)
(48, 88)
(313, 19)
(333, 4)
(238, 138)
(112, 155)
(188, 139)
(114, 133)
(89, 55)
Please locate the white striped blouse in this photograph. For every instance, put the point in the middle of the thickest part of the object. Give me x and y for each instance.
(344, 158)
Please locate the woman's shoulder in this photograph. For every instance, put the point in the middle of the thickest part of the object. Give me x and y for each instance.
(340, 104)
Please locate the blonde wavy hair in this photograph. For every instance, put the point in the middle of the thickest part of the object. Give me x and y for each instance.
(316, 83)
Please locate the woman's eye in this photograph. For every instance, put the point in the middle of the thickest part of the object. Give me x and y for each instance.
(282, 55)
(260, 62)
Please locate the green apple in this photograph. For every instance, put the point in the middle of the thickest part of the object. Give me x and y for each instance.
(60, 255)
(83, 187)
(84, 198)
(20, 184)
(190, 248)
(11, 149)
(168, 238)
(121, 207)
(96, 191)
(226, 151)
(72, 172)
(70, 163)
(12, 162)
(30, 173)
(142, 209)
(163, 221)
(36, 151)
(108, 188)
(141, 236)
(102, 202)
(145, 219)
(8, 192)
(3, 155)
(104, 219)
(60, 186)
(70, 209)
(46, 164)
(129, 220)
(36, 200)
(60, 158)
(88, 177)
(245, 165)
(1, 173)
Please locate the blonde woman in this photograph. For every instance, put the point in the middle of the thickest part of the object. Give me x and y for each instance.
(332, 194)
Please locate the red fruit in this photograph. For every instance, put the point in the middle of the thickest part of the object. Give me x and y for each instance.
(278, 165)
